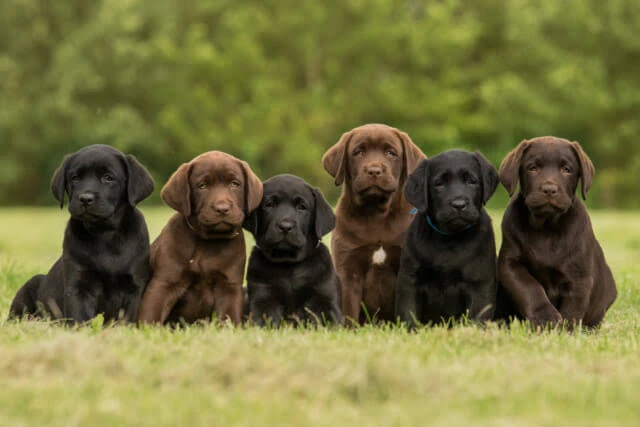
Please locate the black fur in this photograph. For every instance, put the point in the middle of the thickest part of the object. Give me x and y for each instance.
(104, 265)
(449, 268)
(290, 274)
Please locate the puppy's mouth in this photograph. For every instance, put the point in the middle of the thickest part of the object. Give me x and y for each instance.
(376, 195)
(545, 206)
(284, 252)
(220, 230)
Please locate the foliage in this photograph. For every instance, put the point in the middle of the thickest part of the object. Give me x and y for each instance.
(276, 82)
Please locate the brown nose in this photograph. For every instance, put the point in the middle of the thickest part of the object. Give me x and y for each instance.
(374, 170)
(549, 189)
(222, 207)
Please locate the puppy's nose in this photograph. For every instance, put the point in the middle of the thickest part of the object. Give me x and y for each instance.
(374, 170)
(86, 198)
(222, 208)
(549, 189)
(459, 204)
(285, 225)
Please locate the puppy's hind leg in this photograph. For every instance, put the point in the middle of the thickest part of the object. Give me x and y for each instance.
(24, 303)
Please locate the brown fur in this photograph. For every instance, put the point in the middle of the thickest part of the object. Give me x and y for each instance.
(199, 257)
(551, 268)
(373, 161)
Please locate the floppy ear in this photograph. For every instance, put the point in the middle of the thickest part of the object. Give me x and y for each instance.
(59, 180)
(411, 153)
(336, 158)
(139, 181)
(250, 222)
(510, 167)
(177, 192)
(252, 188)
(416, 191)
(587, 170)
(325, 219)
(489, 176)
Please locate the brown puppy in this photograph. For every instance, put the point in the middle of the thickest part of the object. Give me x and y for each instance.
(372, 216)
(199, 257)
(551, 268)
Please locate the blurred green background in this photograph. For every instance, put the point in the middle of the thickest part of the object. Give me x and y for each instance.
(276, 82)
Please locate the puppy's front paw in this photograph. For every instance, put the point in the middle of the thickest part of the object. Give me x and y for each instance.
(546, 315)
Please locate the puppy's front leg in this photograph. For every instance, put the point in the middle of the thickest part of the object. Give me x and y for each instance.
(530, 297)
(159, 299)
(483, 302)
(575, 300)
(352, 286)
(407, 308)
(228, 301)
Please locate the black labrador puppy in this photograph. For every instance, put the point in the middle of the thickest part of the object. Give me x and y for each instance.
(105, 253)
(290, 274)
(448, 263)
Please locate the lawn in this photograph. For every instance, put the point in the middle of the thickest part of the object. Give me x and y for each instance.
(205, 376)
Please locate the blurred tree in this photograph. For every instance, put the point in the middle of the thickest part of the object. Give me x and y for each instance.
(276, 82)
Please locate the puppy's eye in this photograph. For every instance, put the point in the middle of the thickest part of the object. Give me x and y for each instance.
(270, 204)
(107, 178)
(358, 152)
(202, 185)
(533, 168)
(438, 183)
(565, 170)
(471, 180)
(391, 153)
(75, 178)
(301, 207)
(234, 184)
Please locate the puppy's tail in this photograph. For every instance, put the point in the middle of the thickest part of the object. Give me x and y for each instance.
(24, 303)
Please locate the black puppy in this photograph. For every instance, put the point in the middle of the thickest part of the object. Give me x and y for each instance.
(105, 253)
(290, 274)
(448, 263)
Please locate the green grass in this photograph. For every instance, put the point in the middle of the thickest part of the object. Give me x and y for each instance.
(215, 375)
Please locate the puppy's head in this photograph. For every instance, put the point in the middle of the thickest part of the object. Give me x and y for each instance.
(451, 188)
(99, 180)
(291, 219)
(548, 169)
(214, 192)
(374, 160)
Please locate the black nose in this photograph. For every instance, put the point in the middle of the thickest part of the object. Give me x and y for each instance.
(86, 198)
(285, 226)
(549, 189)
(459, 204)
(374, 170)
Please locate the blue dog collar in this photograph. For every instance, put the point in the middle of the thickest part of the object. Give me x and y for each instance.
(436, 229)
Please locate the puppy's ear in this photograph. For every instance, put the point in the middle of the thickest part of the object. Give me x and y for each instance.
(252, 188)
(587, 170)
(325, 219)
(416, 191)
(139, 181)
(59, 181)
(509, 172)
(335, 159)
(489, 176)
(250, 222)
(177, 192)
(411, 153)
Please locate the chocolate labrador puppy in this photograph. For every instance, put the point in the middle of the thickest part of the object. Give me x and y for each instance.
(199, 257)
(448, 263)
(373, 161)
(290, 274)
(551, 268)
(105, 252)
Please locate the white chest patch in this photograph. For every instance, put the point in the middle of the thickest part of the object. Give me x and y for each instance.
(379, 256)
